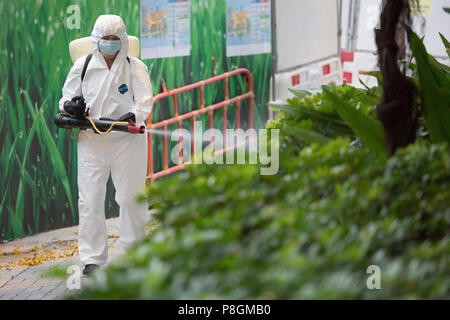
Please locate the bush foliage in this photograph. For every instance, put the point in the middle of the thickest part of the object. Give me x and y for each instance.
(309, 232)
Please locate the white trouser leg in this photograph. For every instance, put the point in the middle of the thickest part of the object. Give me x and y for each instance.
(128, 171)
(93, 173)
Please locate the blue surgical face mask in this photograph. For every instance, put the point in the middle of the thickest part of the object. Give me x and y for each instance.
(110, 47)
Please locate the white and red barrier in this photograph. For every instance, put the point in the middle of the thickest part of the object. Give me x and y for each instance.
(308, 77)
(354, 64)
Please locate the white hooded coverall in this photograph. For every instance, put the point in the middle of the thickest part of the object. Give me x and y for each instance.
(123, 155)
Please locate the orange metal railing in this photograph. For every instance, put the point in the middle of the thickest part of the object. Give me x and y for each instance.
(193, 115)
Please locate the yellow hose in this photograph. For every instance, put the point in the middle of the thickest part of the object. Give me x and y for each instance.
(107, 131)
(96, 129)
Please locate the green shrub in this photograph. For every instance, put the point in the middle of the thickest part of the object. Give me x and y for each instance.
(309, 118)
(309, 232)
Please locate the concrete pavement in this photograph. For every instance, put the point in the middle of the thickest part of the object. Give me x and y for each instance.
(23, 262)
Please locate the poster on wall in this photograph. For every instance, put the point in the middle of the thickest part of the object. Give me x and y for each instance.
(165, 28)
(248, 27)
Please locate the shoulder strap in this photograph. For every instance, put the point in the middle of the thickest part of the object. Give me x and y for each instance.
(86, 63)
(128, 59)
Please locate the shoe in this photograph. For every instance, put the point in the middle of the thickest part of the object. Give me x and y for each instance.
(89, 268)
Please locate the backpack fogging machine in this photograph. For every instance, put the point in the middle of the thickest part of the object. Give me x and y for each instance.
(77, 118)
(103, 126)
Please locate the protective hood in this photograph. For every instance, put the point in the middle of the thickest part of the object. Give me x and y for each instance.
(110, 25)
(104, 26)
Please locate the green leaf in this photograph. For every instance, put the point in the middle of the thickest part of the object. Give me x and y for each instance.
(19, 211)
(25, 175)
(57, 161)
(301, 94)
(367, 129)
(363, 84)
(446, 43)
(310, 112)
(434, 82)
(308, 136)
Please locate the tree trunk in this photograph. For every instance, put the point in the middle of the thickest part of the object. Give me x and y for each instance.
(396, 110)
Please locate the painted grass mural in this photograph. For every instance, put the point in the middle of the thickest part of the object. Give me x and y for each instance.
(38, 189)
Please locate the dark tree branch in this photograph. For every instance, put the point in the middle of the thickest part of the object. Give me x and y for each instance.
(396, 110)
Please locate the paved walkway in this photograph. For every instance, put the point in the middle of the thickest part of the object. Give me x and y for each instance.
(23, 262)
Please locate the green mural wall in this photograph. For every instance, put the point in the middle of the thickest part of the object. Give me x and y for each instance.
(38, 189)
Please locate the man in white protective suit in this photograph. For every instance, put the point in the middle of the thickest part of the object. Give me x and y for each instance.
(116, 87)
